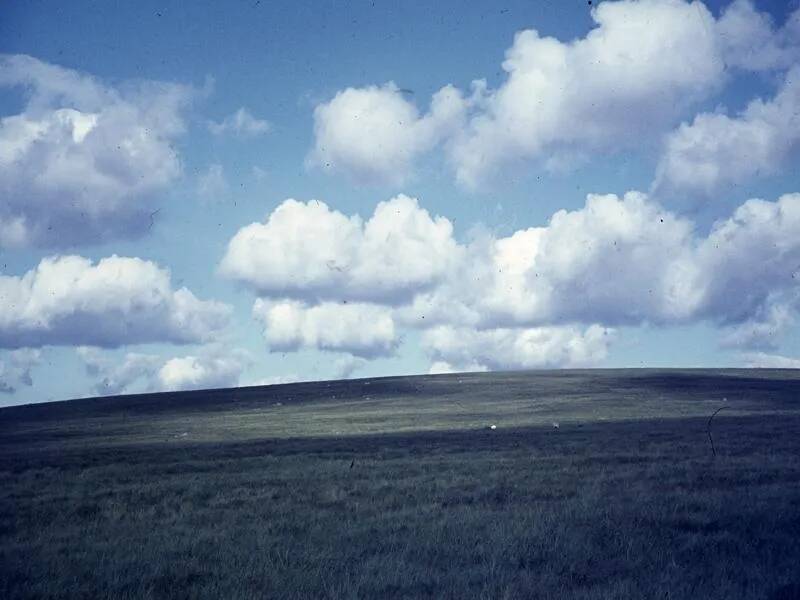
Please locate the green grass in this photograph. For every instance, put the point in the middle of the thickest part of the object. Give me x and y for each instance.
(107, 498)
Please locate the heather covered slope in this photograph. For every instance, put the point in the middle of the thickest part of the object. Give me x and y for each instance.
(394, 487)
(394, 404)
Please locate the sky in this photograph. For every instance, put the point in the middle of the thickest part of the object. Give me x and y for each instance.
(199, 195)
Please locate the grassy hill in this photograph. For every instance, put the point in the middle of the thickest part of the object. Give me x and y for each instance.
(396, 488)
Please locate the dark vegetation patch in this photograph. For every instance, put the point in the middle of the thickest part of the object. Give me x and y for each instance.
(627, 509)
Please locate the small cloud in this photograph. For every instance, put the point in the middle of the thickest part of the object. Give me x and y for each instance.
(346, 366)
(206, 371)
(15, 369)
(441, 367)
(761, 360)
(211, 184)
(114, 376)
(241, 124)
(272, 380)
(259, 174)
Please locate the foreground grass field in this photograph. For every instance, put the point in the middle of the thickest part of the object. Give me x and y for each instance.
(395, 488)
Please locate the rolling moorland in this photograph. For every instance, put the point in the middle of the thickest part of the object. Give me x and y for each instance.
(594, 484)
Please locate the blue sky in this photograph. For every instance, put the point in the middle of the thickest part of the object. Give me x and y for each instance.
(526, 185)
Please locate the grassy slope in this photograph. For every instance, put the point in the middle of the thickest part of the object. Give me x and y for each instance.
(394, 488)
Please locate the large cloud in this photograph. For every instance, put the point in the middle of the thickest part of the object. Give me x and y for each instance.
(624, 84)
(751, 41)
(81, 163)
(628, 78)
(364, 330)
(373, 134)
(627, 261)
(306, 250)
(67, 300)
(462, 349)
(716, 150)
(616, 261)
(632, 75)
(749, 268)
(756, 253)
(211, 368)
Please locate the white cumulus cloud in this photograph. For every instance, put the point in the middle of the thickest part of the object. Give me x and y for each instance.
(716, 150)
(623, 85)
(465, 349)
(635, 72)
(308, 251)
(331, 282)
(750, 266)
(83, 161)
(68, 300)
(628, 261)
(364, 330)
(374, 134)
(200, 372)
(751, 41)
(615, 261)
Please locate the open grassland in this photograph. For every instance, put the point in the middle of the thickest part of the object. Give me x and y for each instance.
(394, 488)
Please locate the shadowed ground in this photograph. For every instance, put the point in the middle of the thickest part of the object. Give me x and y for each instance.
(394, 488)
